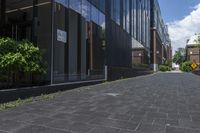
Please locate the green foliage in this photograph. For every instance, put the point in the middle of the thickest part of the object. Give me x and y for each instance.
(12, 61)
(20, 56)
(168, 63)
(198, 45)
(186, 66)
(33, 57)
(20, 102)
(7, 45)
(179, 57)
(164, 68)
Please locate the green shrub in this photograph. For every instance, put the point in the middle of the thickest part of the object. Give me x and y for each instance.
(186, 66)
(164, 68)
(168, 63)
(19, 57)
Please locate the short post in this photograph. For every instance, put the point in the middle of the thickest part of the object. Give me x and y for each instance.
(106, 72)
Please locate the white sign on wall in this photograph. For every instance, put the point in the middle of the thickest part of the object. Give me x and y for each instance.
(62, 2)
(61, 36)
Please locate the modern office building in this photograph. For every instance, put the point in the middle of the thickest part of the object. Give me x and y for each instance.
(82, 39)
(79, 37)
(160, 41)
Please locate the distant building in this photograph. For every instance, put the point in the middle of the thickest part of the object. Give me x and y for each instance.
(192, 51)
(160, 47)
(141, 32)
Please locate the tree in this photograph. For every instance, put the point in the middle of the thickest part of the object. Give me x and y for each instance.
(198, 45)
(179, 56)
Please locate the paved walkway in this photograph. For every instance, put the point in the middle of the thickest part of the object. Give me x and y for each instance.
(160, 103)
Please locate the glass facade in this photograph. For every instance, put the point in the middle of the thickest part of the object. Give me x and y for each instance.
(79, 54)
(136, 18)
(158, 23)
(71, 32)
(27, 20)
(76, 33)
(115, 11)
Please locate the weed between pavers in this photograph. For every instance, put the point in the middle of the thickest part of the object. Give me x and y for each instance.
(20, 102)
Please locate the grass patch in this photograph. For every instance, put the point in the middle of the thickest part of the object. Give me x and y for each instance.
(20, 102)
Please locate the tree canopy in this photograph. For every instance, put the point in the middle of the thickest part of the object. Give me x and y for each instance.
(179, 56)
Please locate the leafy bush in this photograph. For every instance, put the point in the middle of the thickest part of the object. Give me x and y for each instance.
(186, 66)
(168, 63)
(164, 68)
(19, 57)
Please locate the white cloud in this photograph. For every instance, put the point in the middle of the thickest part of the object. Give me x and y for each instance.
(181, 30)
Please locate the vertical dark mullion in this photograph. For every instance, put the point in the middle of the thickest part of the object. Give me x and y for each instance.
(121, 13)
(130, 16)
(52, 39)
(35, 21)
(79, 34)
(2, 14)
(67, 43)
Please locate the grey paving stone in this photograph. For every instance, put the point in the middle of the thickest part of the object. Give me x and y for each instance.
(78, 127)
(39, 129)
(60, 124)
(166, 122)
(3, 132)
(10, 125)
(104, 130)
(147, 104)
(9, 115)
(121, 116)
(114, 123)
(27, 117)
(42, 120)
(179, 130)
(127, 131)
(189, 124)
(148, 128)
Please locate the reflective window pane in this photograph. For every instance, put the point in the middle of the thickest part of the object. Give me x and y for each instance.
(86, 10)
(102, 20)
(62, 2)
(95, 15)
(75, 5)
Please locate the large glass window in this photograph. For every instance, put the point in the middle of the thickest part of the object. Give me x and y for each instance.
(60, 48)
(135, 17)
(75, 5)
(126, 15)
(30, 20)
(63, 2)
(102, 20)
(95, 15)
(86, 10)
(115, 11)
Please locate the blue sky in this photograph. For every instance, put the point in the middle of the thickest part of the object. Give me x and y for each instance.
(173, 10)
(183, 19)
